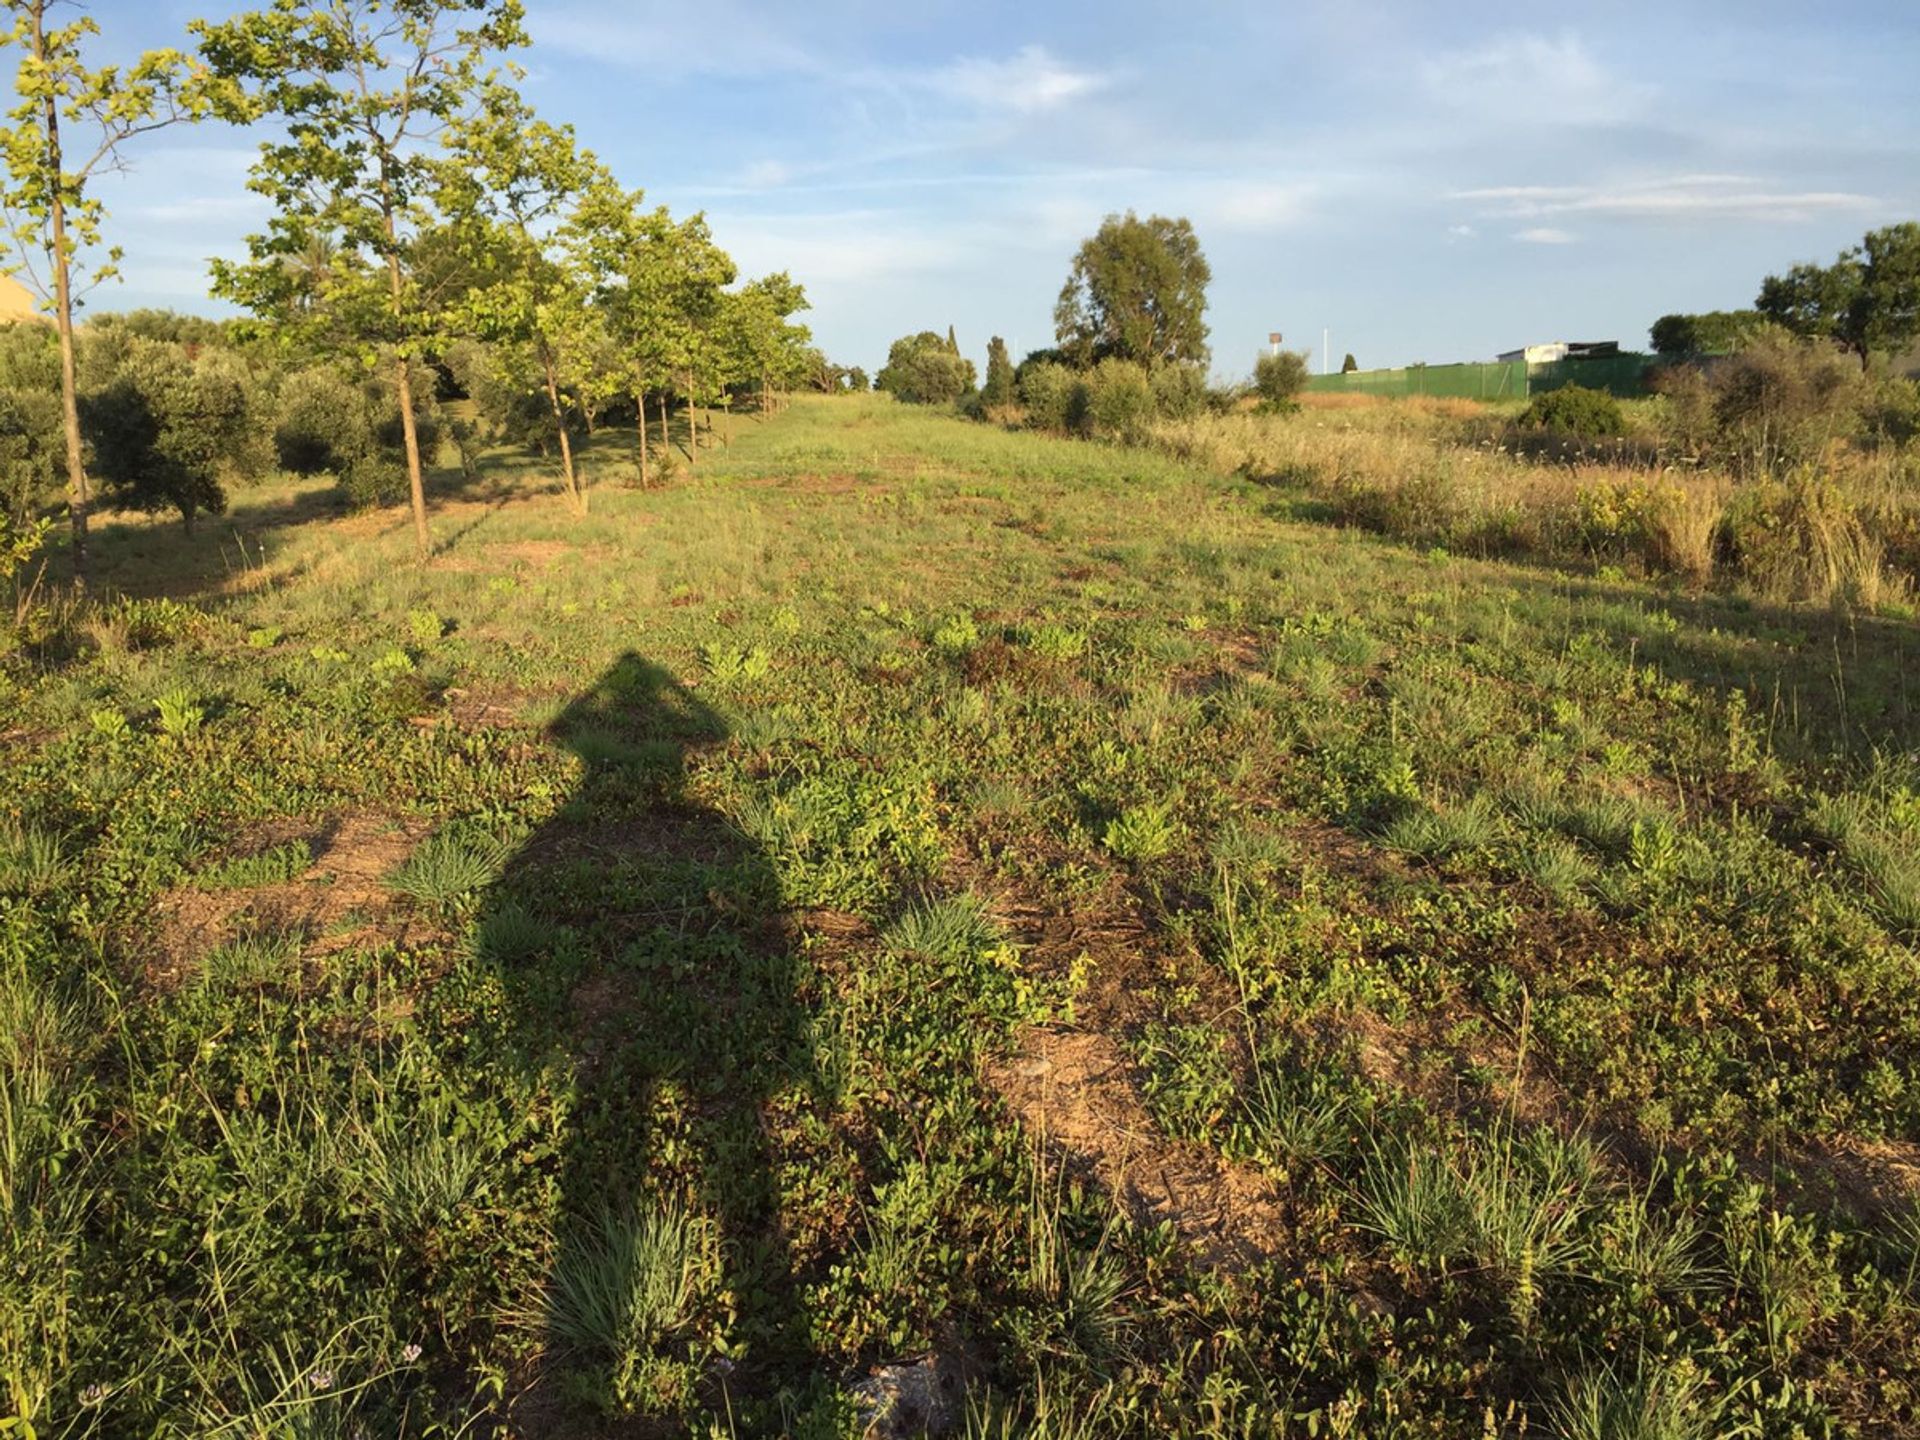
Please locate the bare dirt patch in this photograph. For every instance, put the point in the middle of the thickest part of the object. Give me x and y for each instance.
(341, 898)
(1077, 1093)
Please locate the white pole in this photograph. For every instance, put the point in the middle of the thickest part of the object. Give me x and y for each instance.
(1326, 356)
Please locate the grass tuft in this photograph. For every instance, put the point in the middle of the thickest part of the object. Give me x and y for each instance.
(450, 865)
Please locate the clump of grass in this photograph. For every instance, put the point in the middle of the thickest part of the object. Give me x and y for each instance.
(33, 859)
(1295, 1117)
(1891, 871)
(1656, 1399)
(953, 929)
(1507, 1206)
(254, 961)
(449, 865)
(622, 1284)
(1559, 867)
(510, 935)
(1449, 830)
(1084, 1286)
(416, 1166)
(274, 866)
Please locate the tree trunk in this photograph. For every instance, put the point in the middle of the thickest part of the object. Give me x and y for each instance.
(666, 439)
(560, 429)
(403, 385)
(693, 427)
(640, 408)
(78, 500)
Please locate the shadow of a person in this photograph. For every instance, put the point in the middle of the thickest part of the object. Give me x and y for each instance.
(661, 1004)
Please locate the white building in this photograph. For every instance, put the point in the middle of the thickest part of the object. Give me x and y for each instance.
(1536, 354)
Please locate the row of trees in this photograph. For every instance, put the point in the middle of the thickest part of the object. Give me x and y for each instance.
(1866, 302)
(1130, 344)
(425, 221)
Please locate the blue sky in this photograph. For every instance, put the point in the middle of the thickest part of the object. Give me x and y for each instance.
(1427, 182)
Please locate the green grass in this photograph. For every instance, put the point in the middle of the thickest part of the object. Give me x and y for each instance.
(661, 1088)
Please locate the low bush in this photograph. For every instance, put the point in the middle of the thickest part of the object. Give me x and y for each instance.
(1053, 394)
(1278, 377)
(1119, 401)
(1575, 410)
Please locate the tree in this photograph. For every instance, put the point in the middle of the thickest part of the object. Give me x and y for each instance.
(51, 219)
(167, 430)
(1349, 365)
(922, 370)
(763, 348)
(1867, 300)
(1713, 332)
(514, 189)
(1137, 290)
(1278, 377)
(365, 89)
(998, 390)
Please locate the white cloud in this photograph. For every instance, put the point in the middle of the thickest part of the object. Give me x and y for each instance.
(765, 175)
(1545, 235)
(1252, 205)
(1462, 232)
(1029, 82)
(1678, 197)
(672, 41)
(1533, 79)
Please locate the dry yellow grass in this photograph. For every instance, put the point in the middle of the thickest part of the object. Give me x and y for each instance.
(1447, 472)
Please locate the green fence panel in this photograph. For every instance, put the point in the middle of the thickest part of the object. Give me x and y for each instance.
(1468, 382)
(1622, 375)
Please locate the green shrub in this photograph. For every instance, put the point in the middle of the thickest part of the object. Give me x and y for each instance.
(925, 369)
(1278, 377)
(1053, 394)
(1119, 400)
(1179, 391)
(1575, 410)
(328, 424)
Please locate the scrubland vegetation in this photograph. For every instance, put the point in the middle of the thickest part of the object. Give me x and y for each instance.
(1191, 967)
(1388, 919)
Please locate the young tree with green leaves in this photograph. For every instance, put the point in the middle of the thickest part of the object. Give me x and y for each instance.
(765, 348)
(624, 249)
(70, 125)
(514, 188)
(366, 90)
(698, 272)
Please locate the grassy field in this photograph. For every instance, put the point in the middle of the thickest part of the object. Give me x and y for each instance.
(917, 892)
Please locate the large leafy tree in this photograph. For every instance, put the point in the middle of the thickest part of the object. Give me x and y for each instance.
(1868, 300)
(514, 189)
(365, 91)
(1138, 291)
(70, 125)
